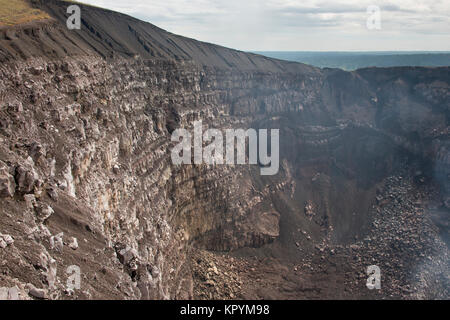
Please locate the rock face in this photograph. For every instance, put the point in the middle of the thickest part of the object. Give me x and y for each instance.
(7, 183)
(85, 142)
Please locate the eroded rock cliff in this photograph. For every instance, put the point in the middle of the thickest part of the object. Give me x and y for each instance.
(86, 176)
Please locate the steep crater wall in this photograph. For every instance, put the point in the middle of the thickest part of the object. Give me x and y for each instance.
(85, 145)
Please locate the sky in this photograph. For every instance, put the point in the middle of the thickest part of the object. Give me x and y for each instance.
(300, 25)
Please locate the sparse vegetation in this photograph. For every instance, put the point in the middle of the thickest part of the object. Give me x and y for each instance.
(13, 12)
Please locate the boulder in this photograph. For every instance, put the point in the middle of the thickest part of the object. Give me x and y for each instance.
(44, 211)
(26, 179)
(129, 258)
(56, 242)
(30, 201)
(36, 293)
(53, 193)
(73, 244)
(127, 255)
(5, 240)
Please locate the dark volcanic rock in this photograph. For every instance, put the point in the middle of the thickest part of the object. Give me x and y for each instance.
(85, 137)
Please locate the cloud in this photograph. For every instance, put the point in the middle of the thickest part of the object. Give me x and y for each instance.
(298, 24)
